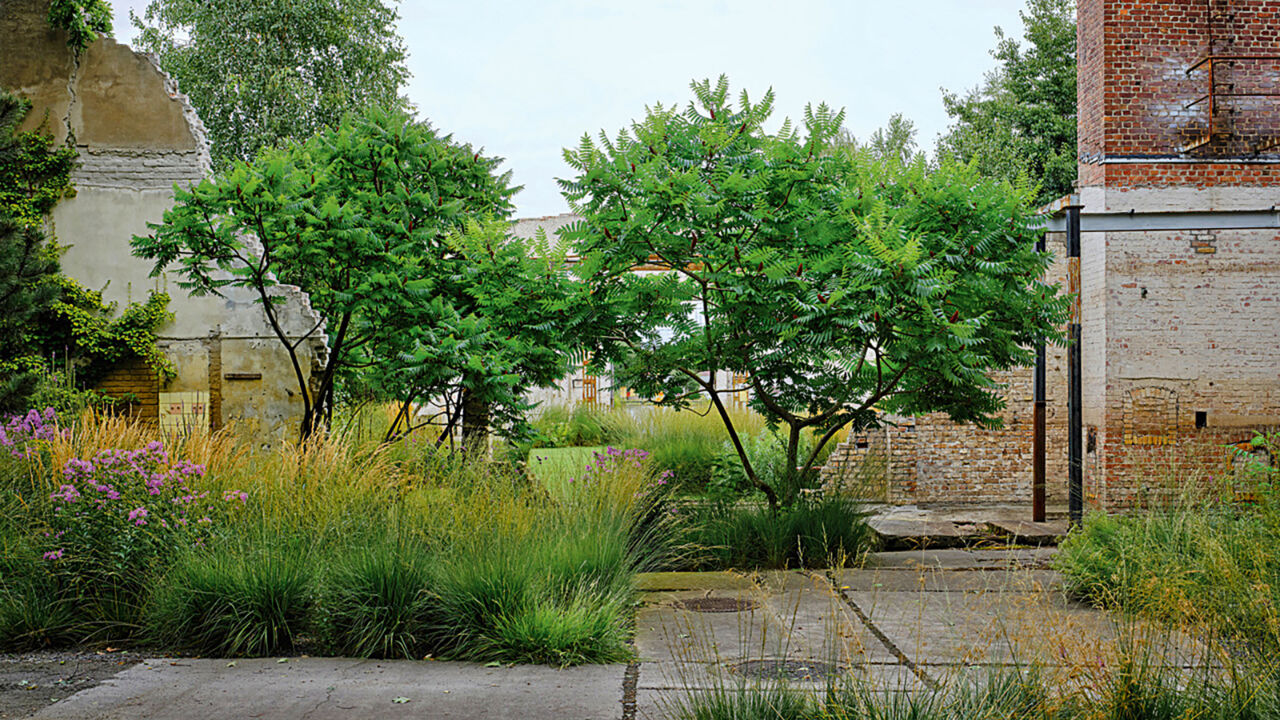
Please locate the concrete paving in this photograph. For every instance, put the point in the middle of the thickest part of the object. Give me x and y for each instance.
(322, 688)
(906, 621)
(908, 527)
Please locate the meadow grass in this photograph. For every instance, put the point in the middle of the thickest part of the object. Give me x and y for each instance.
(371, 550)
(1206, 560)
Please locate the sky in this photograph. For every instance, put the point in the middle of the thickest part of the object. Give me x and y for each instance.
(525, 79)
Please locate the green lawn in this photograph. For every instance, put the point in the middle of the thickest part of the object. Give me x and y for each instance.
(555, 466)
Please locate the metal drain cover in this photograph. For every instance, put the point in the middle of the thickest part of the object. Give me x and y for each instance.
(786, 669)
(715, 605)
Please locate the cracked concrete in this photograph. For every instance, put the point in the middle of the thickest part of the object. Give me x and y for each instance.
(907, 622)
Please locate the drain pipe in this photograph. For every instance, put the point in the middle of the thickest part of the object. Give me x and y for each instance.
(1075, 423)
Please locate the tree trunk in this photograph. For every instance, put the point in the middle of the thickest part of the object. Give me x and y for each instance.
(475, 422)
(791, 483)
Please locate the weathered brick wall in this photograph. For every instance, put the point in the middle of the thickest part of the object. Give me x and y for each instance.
(1140, 125)
(1138, 99)
(1193, 361)
(134, 377)
(1176, 324)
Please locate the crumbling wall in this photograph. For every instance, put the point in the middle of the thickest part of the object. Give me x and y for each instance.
(137, 137)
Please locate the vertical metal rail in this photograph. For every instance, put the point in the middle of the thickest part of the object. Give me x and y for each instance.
(1075, 423)
(1038, 428)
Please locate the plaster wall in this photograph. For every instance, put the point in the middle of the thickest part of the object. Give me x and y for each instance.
(138, 138)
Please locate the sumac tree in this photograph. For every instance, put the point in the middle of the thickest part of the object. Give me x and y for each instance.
(840, 285)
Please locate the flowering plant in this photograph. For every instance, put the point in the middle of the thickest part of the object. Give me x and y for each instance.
(119, 512)
(21, 435)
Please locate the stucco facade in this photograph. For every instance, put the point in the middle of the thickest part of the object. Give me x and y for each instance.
(137, 137)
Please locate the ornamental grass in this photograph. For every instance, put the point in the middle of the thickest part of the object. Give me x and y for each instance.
(210, 544)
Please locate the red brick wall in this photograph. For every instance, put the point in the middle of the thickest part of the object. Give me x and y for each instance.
(1134, 90)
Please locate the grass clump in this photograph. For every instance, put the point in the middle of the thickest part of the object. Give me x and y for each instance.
(816, 531)
(376, 601)
(1132, 690)
(234, 601)
(1207, 560)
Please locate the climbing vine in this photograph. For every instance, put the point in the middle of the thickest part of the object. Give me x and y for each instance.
(83, 20)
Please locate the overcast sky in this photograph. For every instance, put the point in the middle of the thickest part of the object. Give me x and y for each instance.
(527, 78)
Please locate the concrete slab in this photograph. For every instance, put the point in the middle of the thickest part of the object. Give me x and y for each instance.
(319, 688)
(962, 558)
(907, 533)
(666, 632)
(942, 581)
(982, 627)
(819, 623)
(1030, 533)
(663, 581)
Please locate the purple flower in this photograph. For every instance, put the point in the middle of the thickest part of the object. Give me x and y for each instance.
(53, 555)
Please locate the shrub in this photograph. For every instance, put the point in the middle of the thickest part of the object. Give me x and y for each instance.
(375, 601)
(249, 601)
(579, 426)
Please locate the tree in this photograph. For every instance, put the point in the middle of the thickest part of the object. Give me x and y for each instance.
(840, 285)
(1022, 120)
(83, 20)
(895, 142)
(516, 317)
(261, 71)
(371, 220)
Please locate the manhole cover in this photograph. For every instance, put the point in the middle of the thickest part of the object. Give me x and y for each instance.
(786, 669)
(715, 604)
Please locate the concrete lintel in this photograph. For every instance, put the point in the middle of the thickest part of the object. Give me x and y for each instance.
(1170, 221)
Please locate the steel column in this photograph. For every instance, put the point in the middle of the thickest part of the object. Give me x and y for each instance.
(1075, 421)
(1038, 429)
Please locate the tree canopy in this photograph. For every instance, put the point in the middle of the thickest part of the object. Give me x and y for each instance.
(1022, 119)
(262, 71)
(83, 20)
(841, 285)
(389, 227)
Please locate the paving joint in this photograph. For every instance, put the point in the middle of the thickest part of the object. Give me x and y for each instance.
(880, 635)
(630, 683)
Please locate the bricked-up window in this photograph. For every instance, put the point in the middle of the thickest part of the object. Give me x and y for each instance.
(1150, 416)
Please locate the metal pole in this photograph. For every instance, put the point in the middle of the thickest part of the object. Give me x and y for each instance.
(1038, 431)
(1075, 422)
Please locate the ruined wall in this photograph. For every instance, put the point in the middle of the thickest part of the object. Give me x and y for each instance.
(137, 137)
(931, 459)
(1179, 351)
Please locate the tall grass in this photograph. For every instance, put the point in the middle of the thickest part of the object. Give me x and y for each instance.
(1208, 559)
(1137, 688)
(817, 531)
(378, 551)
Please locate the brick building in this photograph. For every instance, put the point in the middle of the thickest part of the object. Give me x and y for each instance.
(1179, 270)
